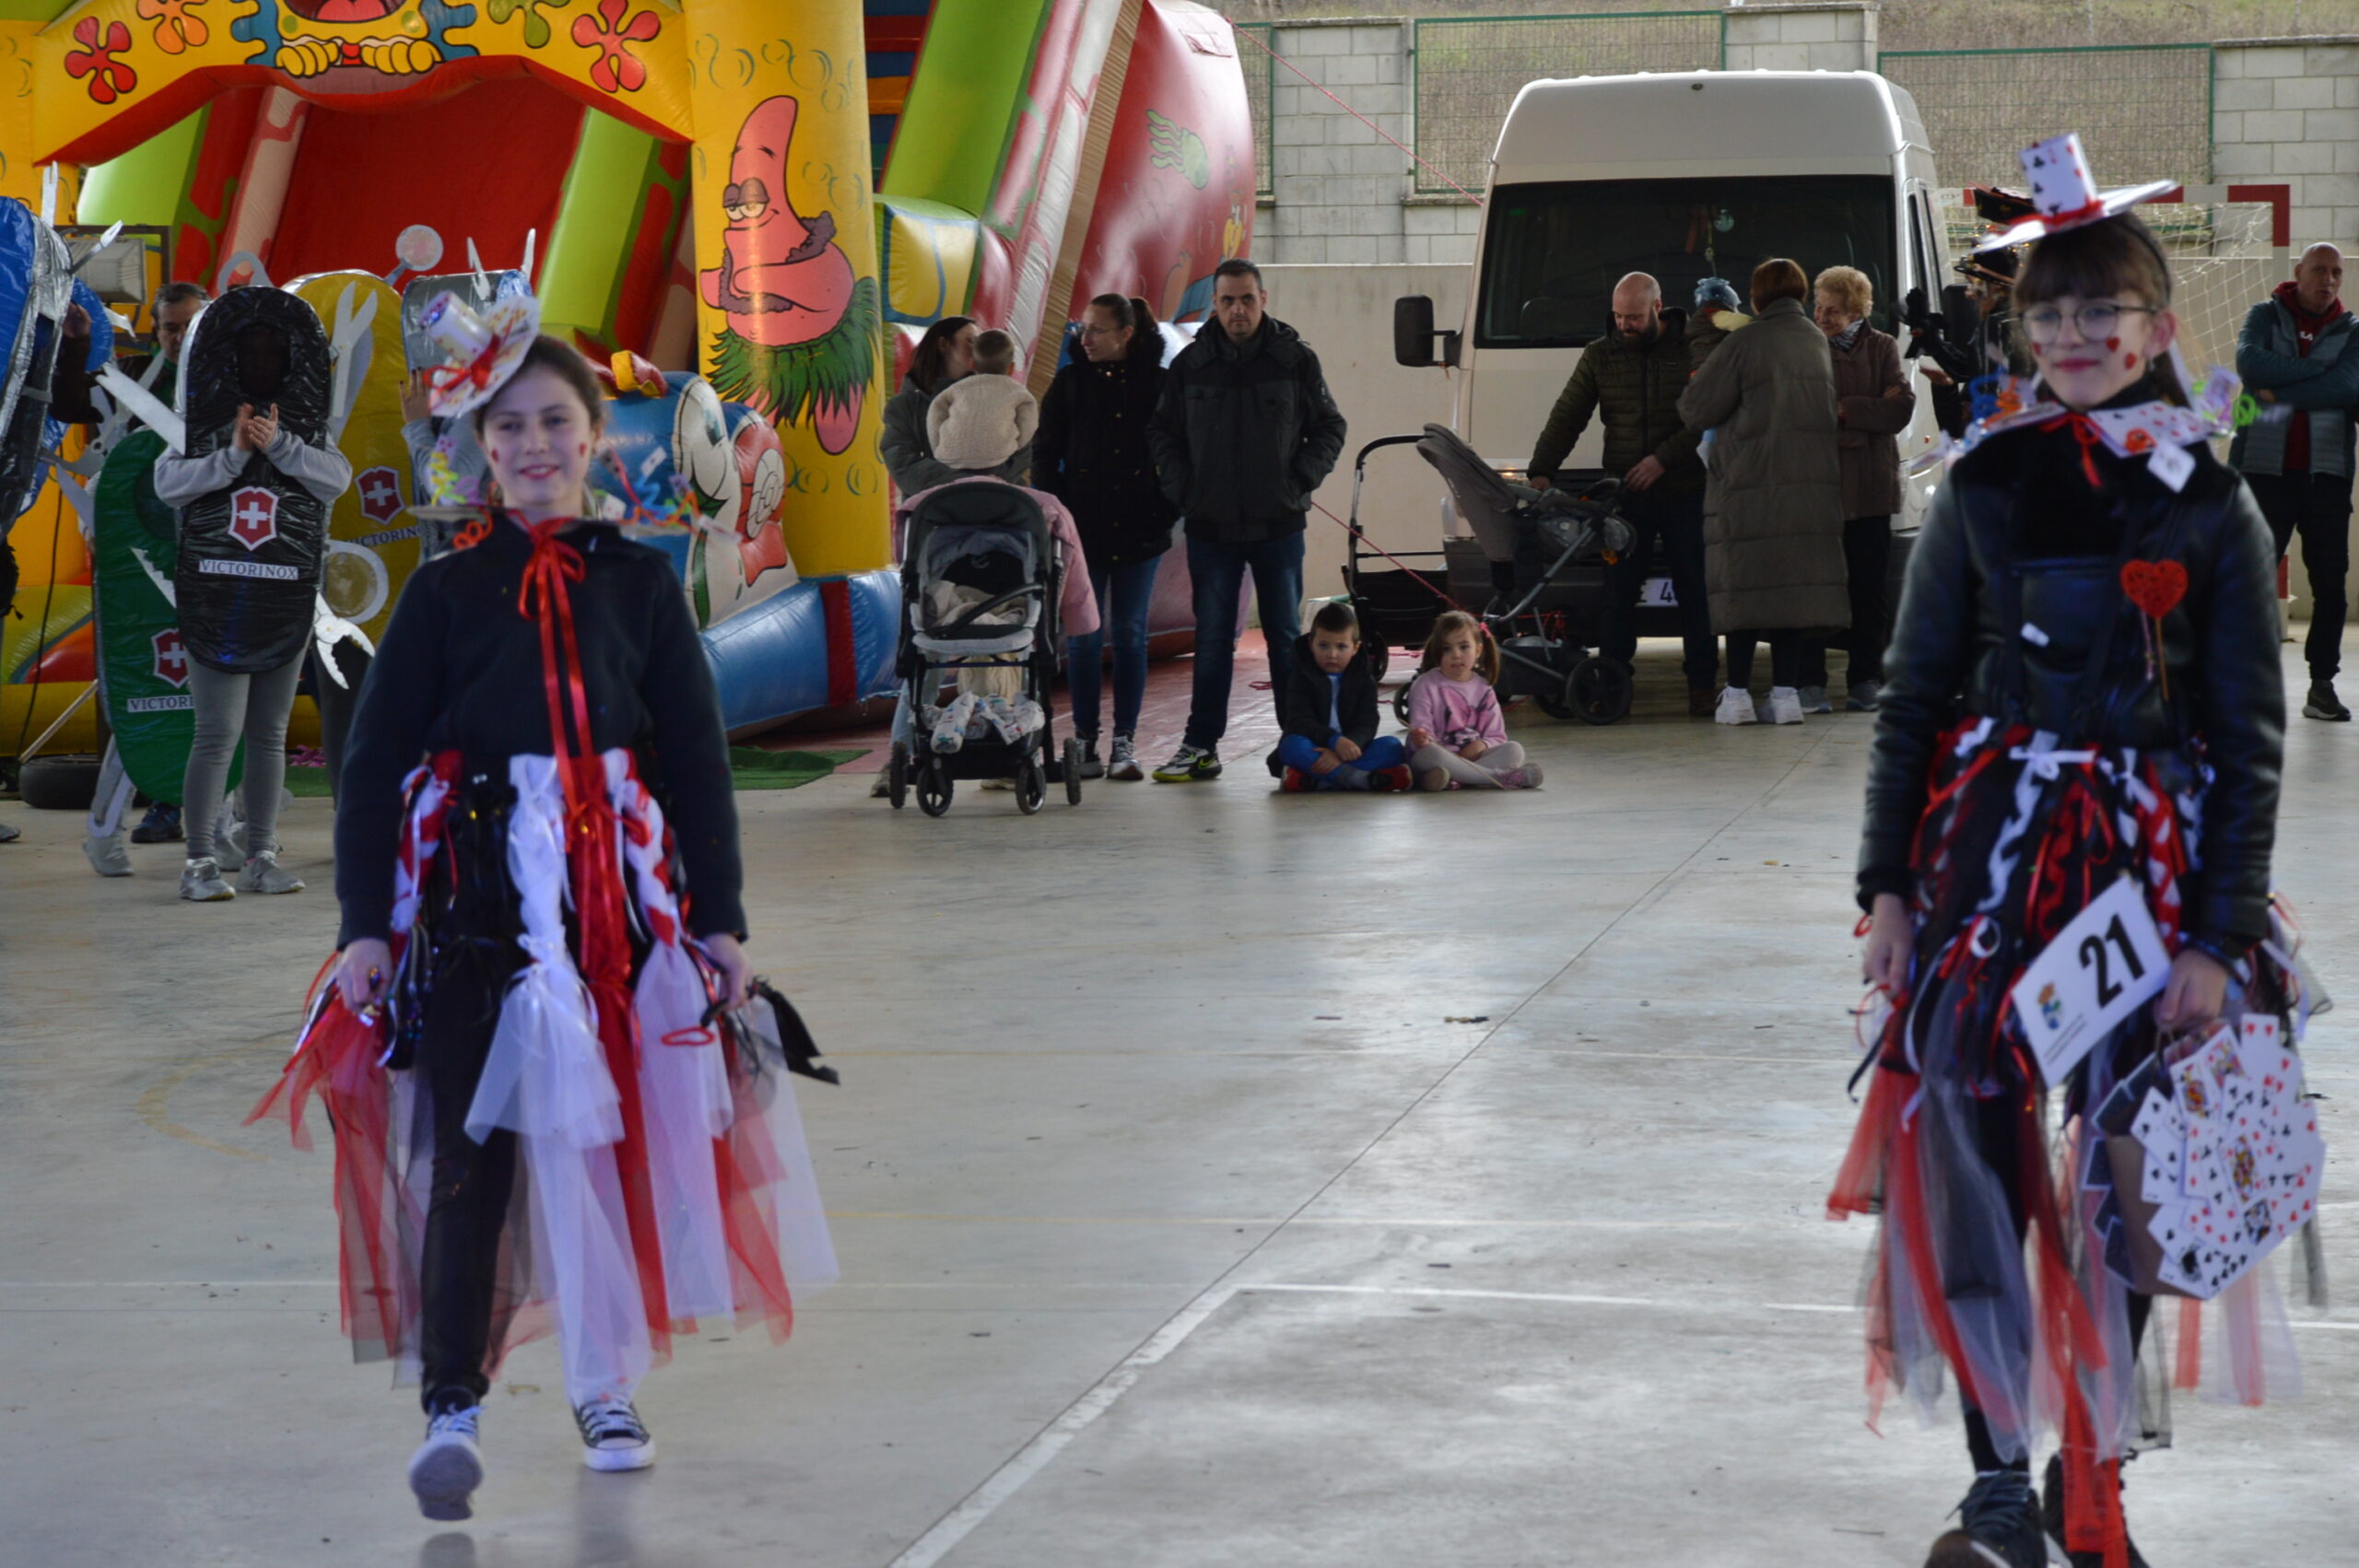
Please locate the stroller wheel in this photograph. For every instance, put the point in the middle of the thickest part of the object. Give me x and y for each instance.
(896, 775)
(1379, 657)
(1073, 772)
(1599, 690)
(1401, 701)
(1031, 786)
(934, 787)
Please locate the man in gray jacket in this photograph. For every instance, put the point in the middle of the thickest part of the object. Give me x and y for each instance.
(2297, 354)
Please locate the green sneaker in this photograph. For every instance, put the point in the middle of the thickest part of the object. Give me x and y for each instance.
(1189, 765)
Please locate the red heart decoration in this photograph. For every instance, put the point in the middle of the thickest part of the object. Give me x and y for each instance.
(2155, 587)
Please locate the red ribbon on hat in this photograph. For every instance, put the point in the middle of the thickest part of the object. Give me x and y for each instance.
(443, 378)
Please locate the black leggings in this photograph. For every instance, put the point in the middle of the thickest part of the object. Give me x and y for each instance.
(1998, 1135)
(1786, 651)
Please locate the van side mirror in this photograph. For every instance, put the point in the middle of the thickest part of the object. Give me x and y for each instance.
(1414, 334)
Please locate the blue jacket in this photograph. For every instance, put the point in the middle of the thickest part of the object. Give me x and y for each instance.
(2322, 387)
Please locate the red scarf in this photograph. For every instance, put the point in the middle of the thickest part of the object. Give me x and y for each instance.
(2307, 328)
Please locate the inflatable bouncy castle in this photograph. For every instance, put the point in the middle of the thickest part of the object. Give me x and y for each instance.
(764, 201)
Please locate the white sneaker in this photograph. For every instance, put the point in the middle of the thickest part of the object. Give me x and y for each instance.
(1736, 708)
(262, 876)
(613, 1437)
(1785, 706)
(201, 881)
(110, 856)
(448, 1466)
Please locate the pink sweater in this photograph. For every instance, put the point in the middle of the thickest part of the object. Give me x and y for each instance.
(1457, 711)
(1079, 607)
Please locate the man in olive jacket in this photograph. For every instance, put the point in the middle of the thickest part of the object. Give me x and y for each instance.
(1244, 433)
(1632, 376)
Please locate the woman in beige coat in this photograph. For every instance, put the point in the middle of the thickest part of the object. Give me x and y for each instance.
(1773, 505)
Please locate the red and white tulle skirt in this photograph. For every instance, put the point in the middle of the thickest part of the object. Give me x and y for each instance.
(662, 1184)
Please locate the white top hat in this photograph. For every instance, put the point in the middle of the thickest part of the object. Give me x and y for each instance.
(2065, 194)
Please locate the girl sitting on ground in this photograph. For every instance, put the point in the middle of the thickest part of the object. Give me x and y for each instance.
(1458, 737)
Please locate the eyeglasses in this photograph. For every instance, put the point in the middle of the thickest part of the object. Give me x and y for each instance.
(2094, 320)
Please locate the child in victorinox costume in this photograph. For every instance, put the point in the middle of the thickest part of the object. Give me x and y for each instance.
(2083, 687)
(536, 853)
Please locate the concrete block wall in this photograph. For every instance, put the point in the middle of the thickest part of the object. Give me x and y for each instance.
(2287, 112)
(1337, 187)
(1826, 37)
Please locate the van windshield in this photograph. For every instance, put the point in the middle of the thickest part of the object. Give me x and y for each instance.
(1555, 252)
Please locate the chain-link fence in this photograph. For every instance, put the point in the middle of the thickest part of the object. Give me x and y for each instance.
(1254, 42)
(2144, 113)
(1469, 70)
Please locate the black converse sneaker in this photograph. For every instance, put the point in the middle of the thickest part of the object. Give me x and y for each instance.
(1997, 1526)
(2051, 1518)
(613, 1437)
(448, 1466)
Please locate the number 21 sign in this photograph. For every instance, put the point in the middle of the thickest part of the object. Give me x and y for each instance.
(2099, 970)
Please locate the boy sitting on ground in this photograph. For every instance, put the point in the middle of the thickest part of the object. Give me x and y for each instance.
(1329, 709)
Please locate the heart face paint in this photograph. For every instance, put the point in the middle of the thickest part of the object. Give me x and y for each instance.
(2129, 361)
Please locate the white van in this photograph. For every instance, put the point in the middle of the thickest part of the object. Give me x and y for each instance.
(1686, 176)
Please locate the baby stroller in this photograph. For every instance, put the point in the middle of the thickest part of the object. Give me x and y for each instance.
(980, 579)
(1530, 537)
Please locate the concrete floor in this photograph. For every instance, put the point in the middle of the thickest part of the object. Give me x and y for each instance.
(1221, 1178)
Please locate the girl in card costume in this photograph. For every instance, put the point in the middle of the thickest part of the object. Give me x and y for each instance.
(537, 1125)
(2083, 686)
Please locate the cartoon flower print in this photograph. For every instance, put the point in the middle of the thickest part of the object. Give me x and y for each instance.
(177, 26)
(617, 69)
(110, 78)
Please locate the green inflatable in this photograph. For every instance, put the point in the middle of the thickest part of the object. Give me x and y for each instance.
(144, 668)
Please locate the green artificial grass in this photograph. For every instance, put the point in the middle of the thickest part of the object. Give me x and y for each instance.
(750, 767)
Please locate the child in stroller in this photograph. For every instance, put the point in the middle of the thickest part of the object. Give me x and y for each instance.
(992, 583)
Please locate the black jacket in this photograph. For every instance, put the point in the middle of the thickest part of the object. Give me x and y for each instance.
(1635, 388)
(1302, 706)
(460, 669)
(2017, 538)
(1244, 433)
(1091, 453)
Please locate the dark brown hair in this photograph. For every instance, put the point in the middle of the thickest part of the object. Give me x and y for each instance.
(555, 354)
(2115, 256)
(1335, 615)
(1778, 279)
(926, 366)
(1146, 343)
(994, 352)
(1449, 623)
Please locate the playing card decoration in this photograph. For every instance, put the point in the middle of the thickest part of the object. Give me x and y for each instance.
(2214, 1156)
(2066, 196)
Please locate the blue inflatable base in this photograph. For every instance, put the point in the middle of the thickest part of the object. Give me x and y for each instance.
(770, 661)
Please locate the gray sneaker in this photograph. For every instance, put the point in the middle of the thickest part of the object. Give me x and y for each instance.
(263, 874)
(1092, 765)
(1122, 765)
(200, 883)
(1814, 700)
(110, 856)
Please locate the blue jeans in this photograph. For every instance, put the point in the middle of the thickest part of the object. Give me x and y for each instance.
(1299, 751)
(1123, 594)
(1219, 572)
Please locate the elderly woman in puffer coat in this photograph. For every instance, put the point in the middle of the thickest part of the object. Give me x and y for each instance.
(1773, 499)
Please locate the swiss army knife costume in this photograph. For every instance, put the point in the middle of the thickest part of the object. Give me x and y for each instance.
(2083, 698)
(549, 1124)
(253, 524)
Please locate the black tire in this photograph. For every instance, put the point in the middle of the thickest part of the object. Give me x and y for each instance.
(1599, 690)
(1031, 786)
(68, 783)
(1073, 771)
(1401, 701)
(897, 776)
(1557, 703)
(934, 787)
(1380, 659)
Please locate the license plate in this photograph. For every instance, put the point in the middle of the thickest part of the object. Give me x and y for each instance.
(1657, 592)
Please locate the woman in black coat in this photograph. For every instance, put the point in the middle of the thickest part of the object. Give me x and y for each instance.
(2082, 700)
(1092, 454)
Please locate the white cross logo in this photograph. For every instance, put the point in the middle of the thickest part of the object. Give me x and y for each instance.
(253, 517)
(380, 494)
(172, 658)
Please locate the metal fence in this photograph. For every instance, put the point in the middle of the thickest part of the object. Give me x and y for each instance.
(1260, 68)
(2144, 113)
(1468, 71)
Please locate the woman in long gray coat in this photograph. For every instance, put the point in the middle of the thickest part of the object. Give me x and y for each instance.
(1773, 503)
